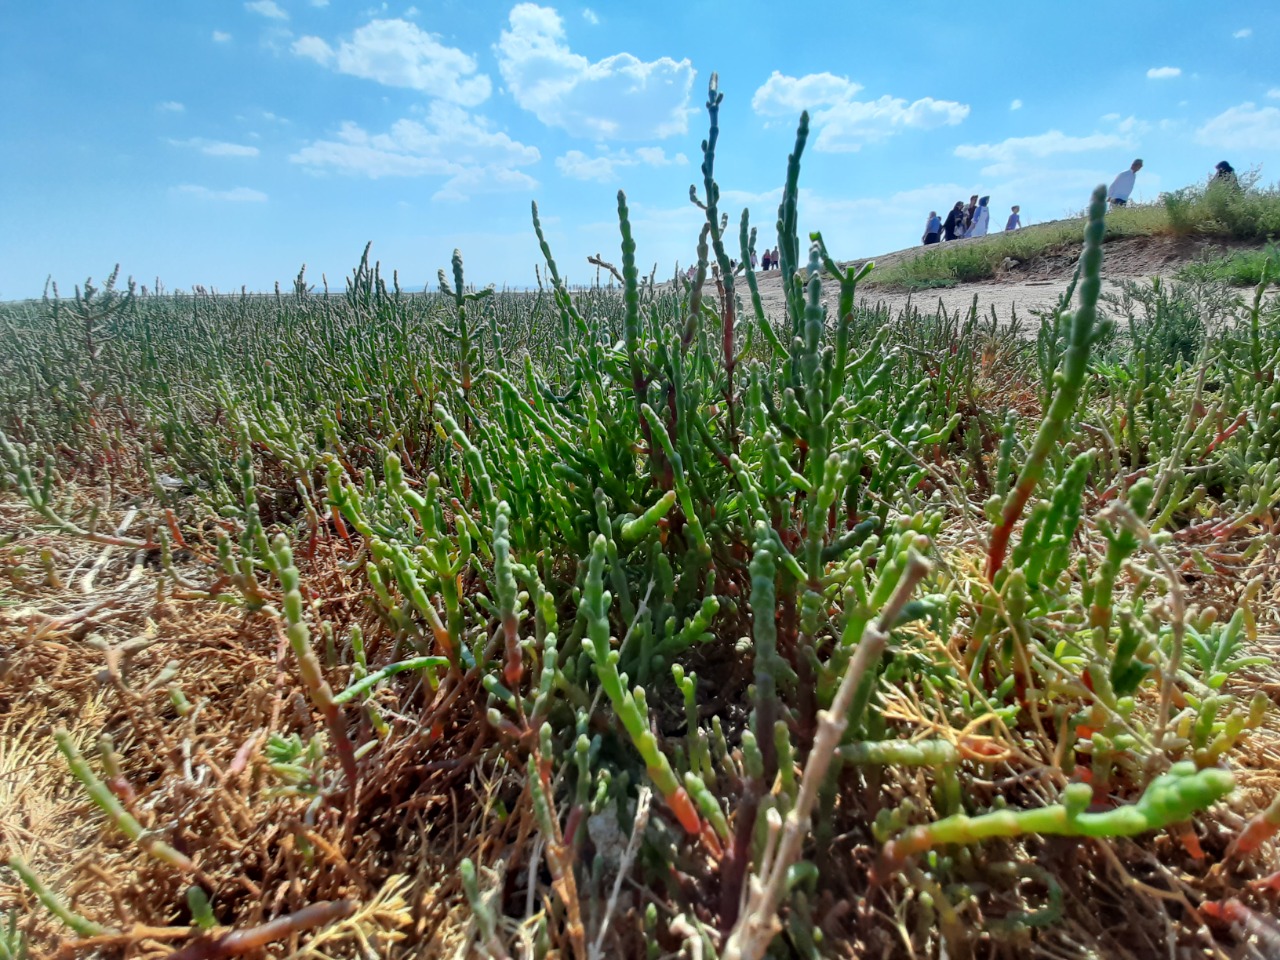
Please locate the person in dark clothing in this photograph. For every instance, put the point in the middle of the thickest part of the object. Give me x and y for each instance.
(932, 228)
(1225, 174)
(968, 212)
(953, 226)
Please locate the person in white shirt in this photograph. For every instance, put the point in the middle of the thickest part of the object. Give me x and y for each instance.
(981, 219)
(1122, 186)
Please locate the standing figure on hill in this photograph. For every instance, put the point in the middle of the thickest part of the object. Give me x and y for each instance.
(1225, 174)
(953, 227)
(981, 220)
(767, 260)
(1015, 220)
(969, 211)
(932, 228)
(1122, 185)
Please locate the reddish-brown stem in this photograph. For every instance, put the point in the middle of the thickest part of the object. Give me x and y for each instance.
(239, 942)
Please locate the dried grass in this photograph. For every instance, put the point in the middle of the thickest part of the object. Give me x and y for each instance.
(90, 662)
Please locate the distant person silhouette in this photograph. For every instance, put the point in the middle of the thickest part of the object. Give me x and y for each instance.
(953, 226)
(1225, 174)
(1015, 220)
(1122, 185)
(932, 228)
(981, 220)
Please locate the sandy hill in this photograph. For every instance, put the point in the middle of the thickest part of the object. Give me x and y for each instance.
(1034, 284)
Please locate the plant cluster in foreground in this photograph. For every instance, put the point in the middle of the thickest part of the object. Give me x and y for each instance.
(573, 622)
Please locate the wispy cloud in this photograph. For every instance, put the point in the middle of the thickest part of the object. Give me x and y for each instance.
(605, 166)
(1164, 73)
(217, 148)
(397, 53)
(1274, 93)
(1011, 156)
(1243, 127)
(220, 36)
(590, 16)
(266, 8)
(1016, 105)
(845, 124)
(1243, 34)
(234, 195)
(170, 106)
(448, 142)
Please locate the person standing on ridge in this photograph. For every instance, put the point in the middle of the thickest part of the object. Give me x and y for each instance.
(1122, 185)
(1015, 220)
(981, 219)
(1225, 174)
(969, 211)
(954, 224)
(932, 228)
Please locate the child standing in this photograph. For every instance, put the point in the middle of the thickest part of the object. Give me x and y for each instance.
(1015, 221)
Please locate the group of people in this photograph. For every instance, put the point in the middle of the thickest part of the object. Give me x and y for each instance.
(768, 260)
(966, 221)
(973, 220)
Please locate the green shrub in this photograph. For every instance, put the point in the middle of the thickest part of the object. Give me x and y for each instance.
(1220, 210)
(1243, 268)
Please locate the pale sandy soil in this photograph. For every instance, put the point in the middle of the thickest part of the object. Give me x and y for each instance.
(1028, 287)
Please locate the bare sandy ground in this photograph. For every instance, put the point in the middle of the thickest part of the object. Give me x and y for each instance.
(1036, 285)
(1005, 297)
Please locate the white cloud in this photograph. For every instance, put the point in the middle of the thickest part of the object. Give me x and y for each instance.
(217, 148)
(1016, 105)
(319, 3)
(590, 16)
(266, 8)
(619, 97)
(1129, 124)
(234, 195)
(221, 37)
(847, 126)
(1243, 127)
(313, 48)
(1274, 93)
(450, 142)
(397, 53)
(462, 185)
(605, 165)
(1010, 156)
(171, 106)
(783, 96)
(1243, 34)
(1164, 73)
(843, 123)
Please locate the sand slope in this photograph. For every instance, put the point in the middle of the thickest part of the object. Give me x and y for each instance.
(1026, 287)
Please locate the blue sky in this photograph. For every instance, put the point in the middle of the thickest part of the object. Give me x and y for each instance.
(227, 143)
